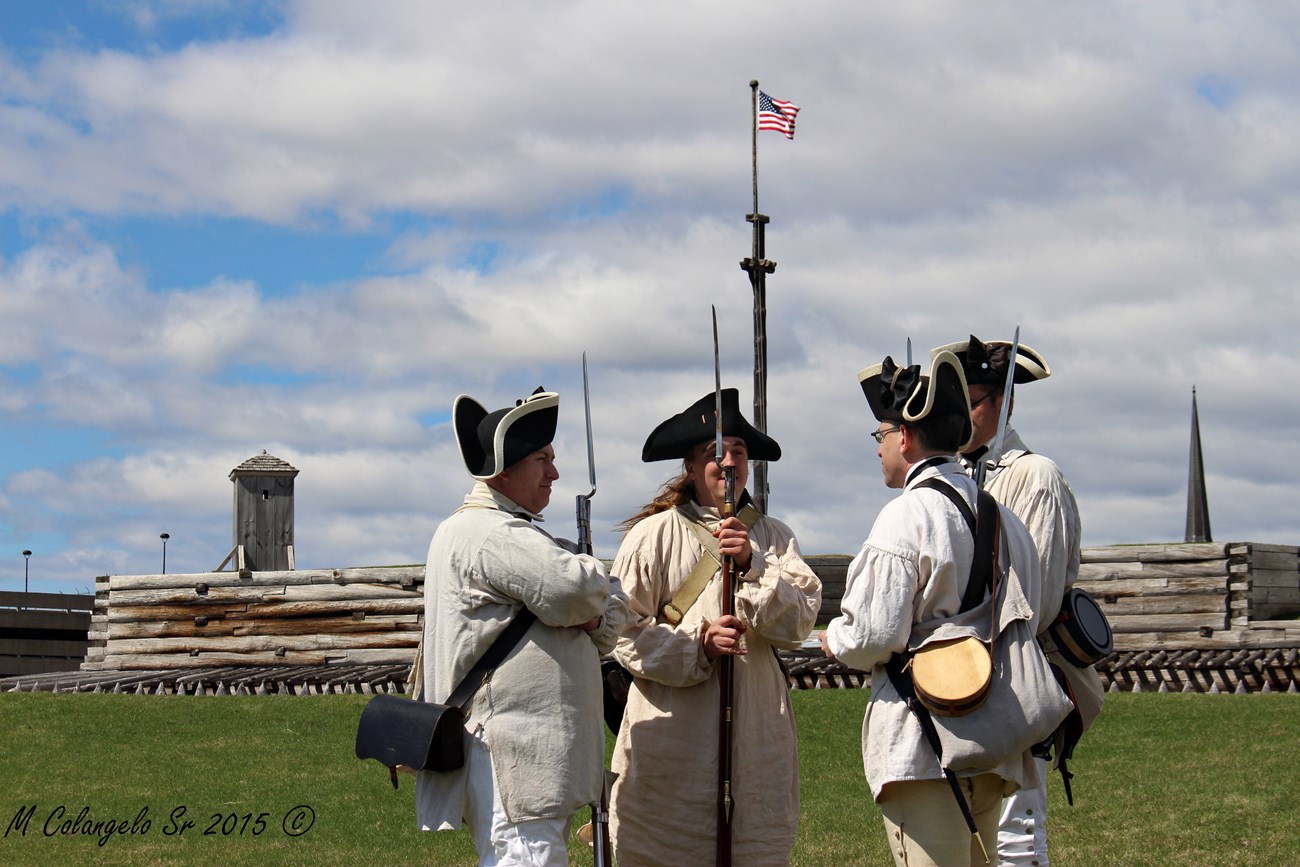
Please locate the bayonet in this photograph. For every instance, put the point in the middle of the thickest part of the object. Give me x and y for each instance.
(602, 849)
(719, 450)
(995, 451)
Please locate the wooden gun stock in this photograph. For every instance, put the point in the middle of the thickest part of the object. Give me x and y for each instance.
(726, 692)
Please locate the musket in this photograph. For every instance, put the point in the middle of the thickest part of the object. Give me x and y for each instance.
(602, 851)
(995, 451)
(726, 664)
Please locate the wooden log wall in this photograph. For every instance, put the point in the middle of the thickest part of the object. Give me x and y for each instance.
(1274, 579)
(1202, 596)
(832, 570)
(310, 617)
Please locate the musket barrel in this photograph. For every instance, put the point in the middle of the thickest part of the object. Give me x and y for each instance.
(602, 850)
(726, 663)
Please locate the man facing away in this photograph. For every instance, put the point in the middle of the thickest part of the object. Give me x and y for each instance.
(908, 579)
(1035, 489)
(534, 732)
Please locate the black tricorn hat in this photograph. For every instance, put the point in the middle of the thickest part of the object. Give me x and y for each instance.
(494, 441)
(986, 363)
(903, 395)
(674, 438)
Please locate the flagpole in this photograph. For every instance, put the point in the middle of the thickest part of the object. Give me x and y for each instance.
(758, 268)
(753, 135)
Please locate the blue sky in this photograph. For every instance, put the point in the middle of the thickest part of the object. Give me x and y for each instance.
(306, 227)
(137, 27)
(280, 259)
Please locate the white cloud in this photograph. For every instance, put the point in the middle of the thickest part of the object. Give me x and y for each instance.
(568, 177)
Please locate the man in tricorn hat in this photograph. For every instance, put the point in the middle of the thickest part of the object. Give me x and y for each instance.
(1035, 489)
(665, 800)
(534, 731)
(908, 579)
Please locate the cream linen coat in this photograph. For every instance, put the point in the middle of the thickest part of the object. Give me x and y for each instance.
(908, 578)
(1035, 489)
(540, 710)
(665, 800)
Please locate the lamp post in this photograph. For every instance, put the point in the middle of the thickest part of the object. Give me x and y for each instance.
(27, 556)
(164, 537)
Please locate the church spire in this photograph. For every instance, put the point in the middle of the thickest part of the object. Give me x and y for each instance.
(1198, 506)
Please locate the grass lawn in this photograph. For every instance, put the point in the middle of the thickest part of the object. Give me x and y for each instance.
(1161, 780)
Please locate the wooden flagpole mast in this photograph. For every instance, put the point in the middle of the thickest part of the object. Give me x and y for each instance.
(758, 268)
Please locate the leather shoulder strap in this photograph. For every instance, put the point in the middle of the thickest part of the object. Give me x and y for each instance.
(675, 609)
(491, 658)
(984, 566)
(984, 528)
(901, 678)
(951, 493)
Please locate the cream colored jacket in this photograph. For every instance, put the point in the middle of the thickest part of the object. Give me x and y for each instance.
(907, 579)
(1035, 489)
(540, 711)
(665, 800)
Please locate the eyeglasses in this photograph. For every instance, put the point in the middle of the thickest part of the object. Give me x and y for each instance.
(880, 433)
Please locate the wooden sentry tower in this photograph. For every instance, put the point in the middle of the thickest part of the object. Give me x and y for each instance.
(263, 514)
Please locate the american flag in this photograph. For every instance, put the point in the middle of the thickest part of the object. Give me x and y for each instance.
(776, 114)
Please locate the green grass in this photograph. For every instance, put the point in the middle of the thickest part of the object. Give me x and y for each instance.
(1161, 779)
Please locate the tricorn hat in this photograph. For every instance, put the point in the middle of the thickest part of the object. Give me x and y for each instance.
(494, 441)
(986, 363)
(904, 395)
(674, 438)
